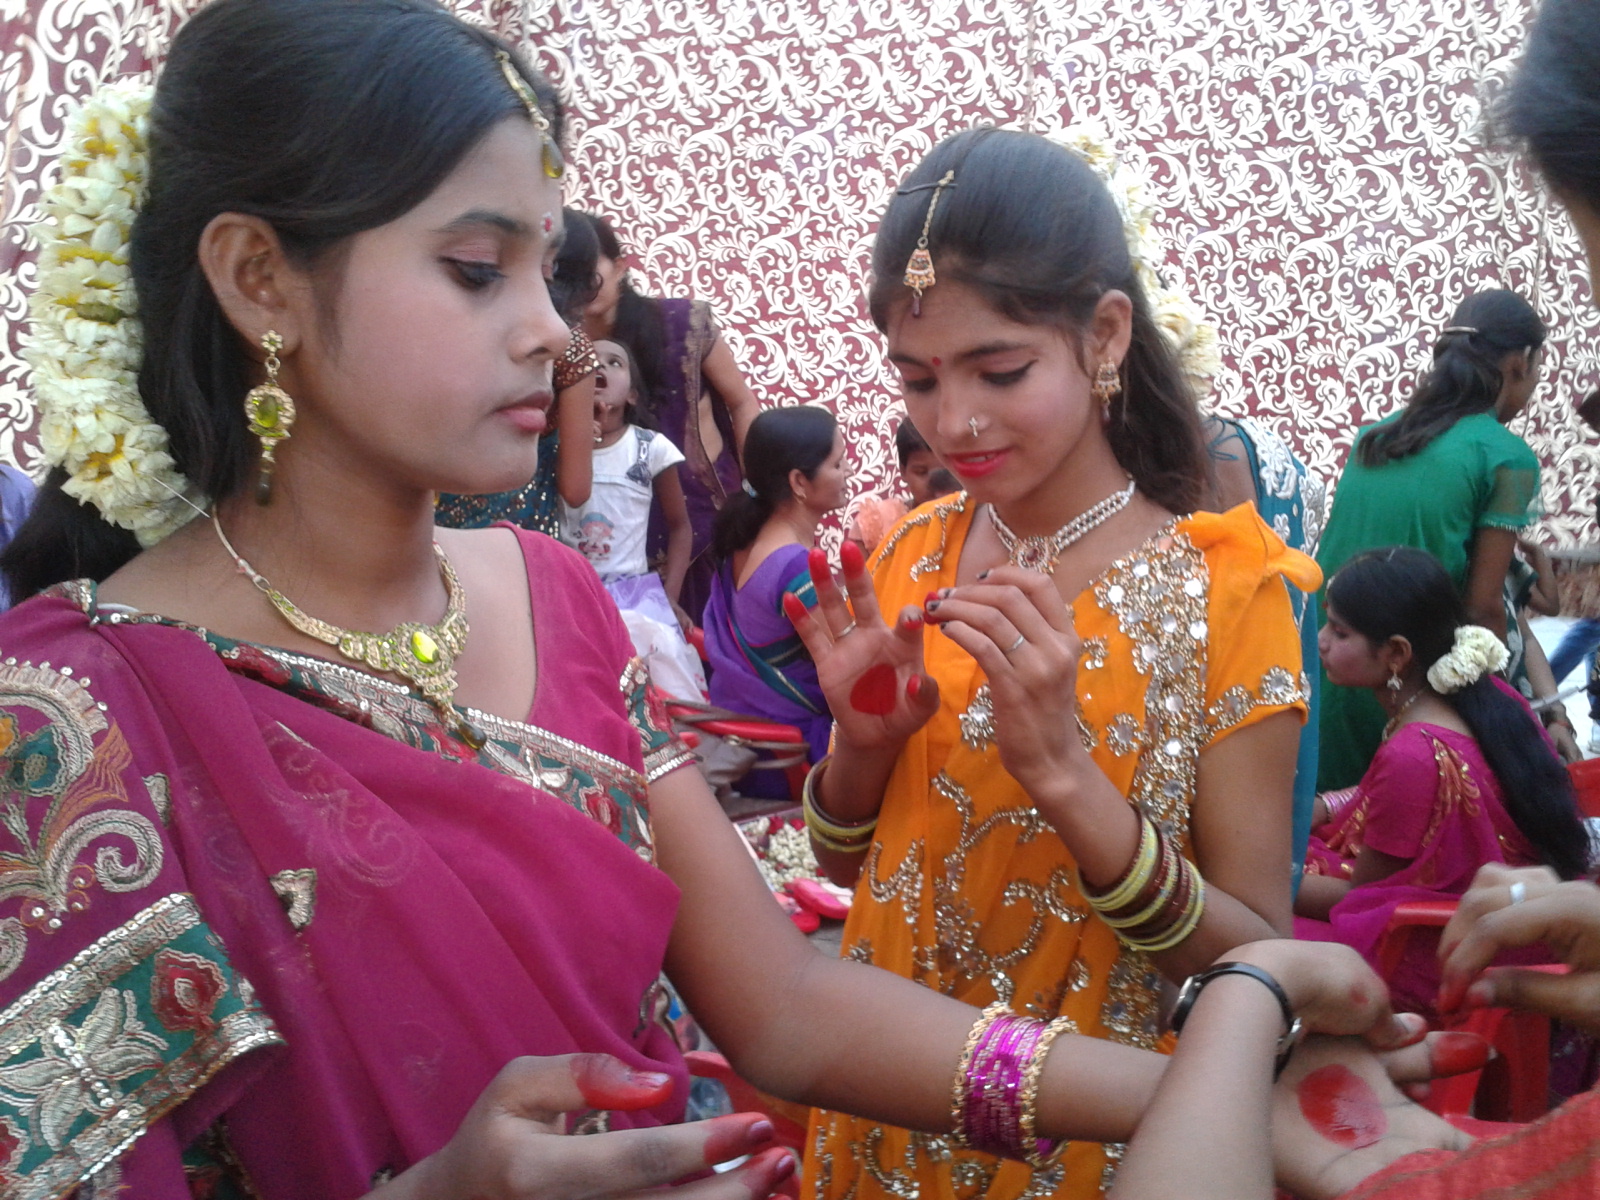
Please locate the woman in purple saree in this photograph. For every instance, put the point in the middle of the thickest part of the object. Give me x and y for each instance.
(1465, 775)
(290, 909)
(759, 666)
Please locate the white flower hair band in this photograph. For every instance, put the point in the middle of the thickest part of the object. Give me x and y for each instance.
(85, 339)
(1475, 651)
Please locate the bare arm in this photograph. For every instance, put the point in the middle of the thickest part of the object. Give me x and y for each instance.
(1545, 599)
(1319, 893)
(680, 534)
(838, 1034)
(1486, 578)
(725, 378)
(575, 453)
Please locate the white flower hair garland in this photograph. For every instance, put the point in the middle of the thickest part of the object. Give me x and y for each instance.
(1475, 651)
(1186, 328)
(85, 342)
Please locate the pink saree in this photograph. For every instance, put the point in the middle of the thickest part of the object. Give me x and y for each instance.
(260, 910)
(1428, 797)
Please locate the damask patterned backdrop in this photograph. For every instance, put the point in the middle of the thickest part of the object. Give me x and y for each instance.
(1327, 193)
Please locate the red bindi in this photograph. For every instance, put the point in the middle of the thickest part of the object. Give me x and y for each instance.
(1342, 1107)
(549, 223)
(938, 362)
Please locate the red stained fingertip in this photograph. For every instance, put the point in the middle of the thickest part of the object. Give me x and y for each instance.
(817, 560)
(913, 687)
(851, 558)
(609, 1084)
(1457, 1053)
(736, 1135)
(1479, 995)
(792, 607)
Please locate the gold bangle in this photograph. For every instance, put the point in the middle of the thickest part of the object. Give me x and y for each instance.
(1028, 1094)
(958, 1087)
(827, 832)
(1145, 859)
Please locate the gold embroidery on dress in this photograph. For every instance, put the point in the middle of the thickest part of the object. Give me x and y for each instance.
(942, 512)
(297, 889)
(1456, 789)
(1279, 689)
(65, 793)
(958, 929)
(1093, 655)
(1158, 598)
(904, 885)
(977, 723)
(1123, 734)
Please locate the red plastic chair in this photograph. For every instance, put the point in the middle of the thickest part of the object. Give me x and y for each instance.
(1586, 783)
(1515, 1086)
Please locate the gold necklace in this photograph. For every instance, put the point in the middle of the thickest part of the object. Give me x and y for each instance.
(1394, 721)
(423, 655)
(1041, 553)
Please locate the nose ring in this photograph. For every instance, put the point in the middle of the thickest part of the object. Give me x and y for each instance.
(972, 424)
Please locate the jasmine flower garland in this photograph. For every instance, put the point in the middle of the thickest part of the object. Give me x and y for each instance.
(85, 341)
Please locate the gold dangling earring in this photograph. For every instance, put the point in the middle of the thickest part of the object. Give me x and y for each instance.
(1394, 684)
(1107, 383)
(270, 411)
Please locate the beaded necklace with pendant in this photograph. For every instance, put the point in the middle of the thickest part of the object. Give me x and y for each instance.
(1041, 553)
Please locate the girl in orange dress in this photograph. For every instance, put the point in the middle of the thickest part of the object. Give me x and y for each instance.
(1139, 687)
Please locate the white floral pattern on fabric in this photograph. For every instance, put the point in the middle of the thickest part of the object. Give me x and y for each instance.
(85, 341)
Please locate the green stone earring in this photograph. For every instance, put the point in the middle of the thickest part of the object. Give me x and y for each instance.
(270, 412)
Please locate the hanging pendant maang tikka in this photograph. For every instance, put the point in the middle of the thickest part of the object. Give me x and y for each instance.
(919, 268)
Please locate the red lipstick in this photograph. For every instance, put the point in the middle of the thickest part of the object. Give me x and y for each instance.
(976, 466)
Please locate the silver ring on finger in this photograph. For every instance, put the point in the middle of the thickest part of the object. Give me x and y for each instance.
(845, 632)
(1015, 646)
(1519, 892)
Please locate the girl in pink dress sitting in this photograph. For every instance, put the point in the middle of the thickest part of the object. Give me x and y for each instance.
(1464, 776)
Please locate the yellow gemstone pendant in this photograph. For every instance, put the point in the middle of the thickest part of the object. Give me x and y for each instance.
(423, 648)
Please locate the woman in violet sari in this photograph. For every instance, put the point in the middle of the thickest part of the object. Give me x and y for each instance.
(289, 909)
(698, 398)
(794, 458)
(1464, 776)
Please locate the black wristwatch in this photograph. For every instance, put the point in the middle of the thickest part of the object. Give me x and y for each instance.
(1190, 992)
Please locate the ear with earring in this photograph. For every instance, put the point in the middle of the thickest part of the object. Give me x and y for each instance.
(270, 412)
(1394, 684)
(1107, 383)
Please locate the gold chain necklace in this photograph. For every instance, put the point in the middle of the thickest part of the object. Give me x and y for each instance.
(1394, 721)
(1041, 553)
(423, 655)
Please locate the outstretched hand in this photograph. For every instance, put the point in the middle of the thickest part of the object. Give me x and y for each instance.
(1508, 907)
(510, 1146)
(870, 671)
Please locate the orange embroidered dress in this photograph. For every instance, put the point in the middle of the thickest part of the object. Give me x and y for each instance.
(968, 890)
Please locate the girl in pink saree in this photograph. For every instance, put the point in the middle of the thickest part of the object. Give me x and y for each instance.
(1465, 775)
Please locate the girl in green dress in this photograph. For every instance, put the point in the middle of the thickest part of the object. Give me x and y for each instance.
(1445, 475)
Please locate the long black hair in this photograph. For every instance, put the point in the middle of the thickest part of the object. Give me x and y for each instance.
(794, 438)
(639, 324)
(325, 118)
(573, 282)
(1553, 103)
(1031, 228)
(1465, 378)
(1402, 591)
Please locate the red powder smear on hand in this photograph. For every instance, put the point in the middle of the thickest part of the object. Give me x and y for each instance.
(873, 693)
(1342, 1107)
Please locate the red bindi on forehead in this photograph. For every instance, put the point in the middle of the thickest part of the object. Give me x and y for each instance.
(937, 361)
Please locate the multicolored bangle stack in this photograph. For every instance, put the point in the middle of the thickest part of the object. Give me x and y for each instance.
(824, 830)
(994, 1100)
(1160, 898)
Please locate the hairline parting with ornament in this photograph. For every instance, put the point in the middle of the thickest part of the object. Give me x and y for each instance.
(1195, 348)
(84, 344)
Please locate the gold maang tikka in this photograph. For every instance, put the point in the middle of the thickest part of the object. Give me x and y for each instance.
(270, 412)
(555, 166)
(919, 268)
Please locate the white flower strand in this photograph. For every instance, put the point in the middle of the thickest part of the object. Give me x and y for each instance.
(1475, 651)
(85, 339)
(1192, 336)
